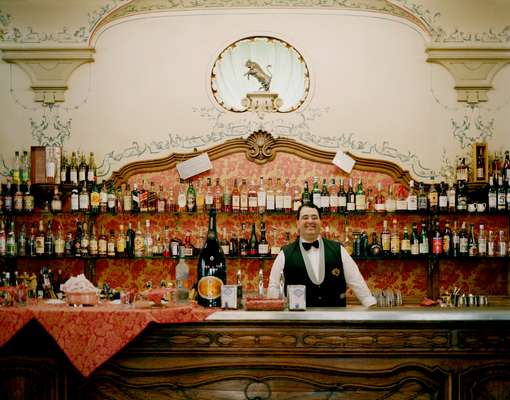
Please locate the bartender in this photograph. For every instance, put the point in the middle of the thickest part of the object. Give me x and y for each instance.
(322, 265)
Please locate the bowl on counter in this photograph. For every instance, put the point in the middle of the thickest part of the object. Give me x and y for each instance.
(82, 298)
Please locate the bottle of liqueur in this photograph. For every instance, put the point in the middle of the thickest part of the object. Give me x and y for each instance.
(342, 197)
(333, 197)
(492, 196)
(375, 248)
(111, 200)
(11, 245)
(103, 198)
(130, 241)
(433, 197)
(243, 242)
(212, 271)
(502, 248)
(463, 240)
(59, 243)
(22, 241)
(181, 279)
(49, 248)
(394, 239)
(379, 200)
(324, 203)
(452, 197)
(102, 243)
(405, 243)
(94, 198)
(73, 169)
(191, 198)
(233, 245)
(437, 240)
(91, 169)
(482, 241)
(316, 193)
(64, 169)
(226, 205)
(391, 202)
(270, 196)
(491, 244)
(208, 196)
(77, 240)
(361, 199)
(401, 199)
(253, 245)
(386, 239)
(287, 197)
(18, 200)
(261, 196)
(28, 200)
(424, 239)
(278, 197)
(472, 242)
(415, 240)
(236, 198)
(252, 198)
(447, 240)
(127, 199)
(506, 166)
(351, 198)
(461, 197)
(443, 197)
(224, 243)
(110, 244)
(135, 199)
(85, 240)
(93, 243)
(144, 197)
(3, 239)
(480, 164)
(39, 240)
(501, 194)
(462, 171)
(8, 200)
(84, 199)
(263, 246)
(412, 198)
(306, 196)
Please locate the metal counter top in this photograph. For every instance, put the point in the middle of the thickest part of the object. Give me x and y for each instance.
(361, 314)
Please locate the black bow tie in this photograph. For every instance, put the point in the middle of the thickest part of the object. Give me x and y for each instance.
(308, 246)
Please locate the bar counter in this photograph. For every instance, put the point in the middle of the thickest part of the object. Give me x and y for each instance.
(352, 353)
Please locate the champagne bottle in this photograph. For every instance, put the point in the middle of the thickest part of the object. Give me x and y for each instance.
(212, 271)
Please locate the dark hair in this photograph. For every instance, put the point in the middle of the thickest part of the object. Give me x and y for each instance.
(309, 205)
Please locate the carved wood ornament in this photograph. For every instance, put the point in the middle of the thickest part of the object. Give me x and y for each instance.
(261, 147)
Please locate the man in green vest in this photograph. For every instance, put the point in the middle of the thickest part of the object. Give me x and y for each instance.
(322, 265)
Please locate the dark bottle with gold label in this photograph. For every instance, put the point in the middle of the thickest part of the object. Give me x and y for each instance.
(212, 271)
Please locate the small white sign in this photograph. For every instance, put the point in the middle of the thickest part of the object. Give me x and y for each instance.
(343, 161)
(194, 166)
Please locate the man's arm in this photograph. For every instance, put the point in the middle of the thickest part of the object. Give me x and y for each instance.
(273, 289)
(355, 280)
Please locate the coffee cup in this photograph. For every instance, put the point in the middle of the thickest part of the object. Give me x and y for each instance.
(480, 207)
(471, 207)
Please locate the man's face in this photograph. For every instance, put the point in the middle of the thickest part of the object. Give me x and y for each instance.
(309, 224)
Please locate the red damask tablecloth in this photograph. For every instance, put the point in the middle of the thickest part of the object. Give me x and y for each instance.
(89, 336)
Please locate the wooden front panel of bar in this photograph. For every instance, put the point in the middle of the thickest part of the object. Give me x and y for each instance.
(310, 360)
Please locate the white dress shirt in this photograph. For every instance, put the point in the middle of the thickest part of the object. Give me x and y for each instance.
(353, 277)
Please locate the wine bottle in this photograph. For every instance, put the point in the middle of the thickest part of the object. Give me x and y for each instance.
(212, 269)
(253, 246)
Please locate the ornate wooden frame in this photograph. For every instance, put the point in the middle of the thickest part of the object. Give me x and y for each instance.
(261, 147)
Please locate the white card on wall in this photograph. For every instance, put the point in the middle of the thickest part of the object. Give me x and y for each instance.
(194, 166)
(343, 161)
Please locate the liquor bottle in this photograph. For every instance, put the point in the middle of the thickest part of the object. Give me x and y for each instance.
(394, 239)
(379, 205)
(22, 241)
(405, 243)
(324, 201)
(3, 239)
(85, 240)
(261, 196)
(375, 248)
(209, 196)
(243, 242)
(144, 197)
(84, 199)
(49, 248)
(181, 197)
(287, 198)
(218, 196)
(189, 249)
(91, 169)
(130, 241)
(361, 200)
(24, 172)
(252, 198)
(437, 240)
(506, 166)
(501, 195)
(263, 246)
(148, 240)
(212, 272)
(135, 199)
(8, 199)
(64, 169)
(227, 199)
(243, 197)
(59, 243)
(391, 203)
(401, 204)
(270, 196)
(278, 196)
(482, 241)
(342, 197)
(15, 172)
(433, 197)
(56, 201)
(111, 200)
(508, 194)
(93, 242)
(39, 240)
(480, 164)
(463, 240)
(152, 198)
(82, 170)
(502, 248)
(236, 198)
(412, 197)
(424, 239)
(461, 197)
(333, 197)
(239, 287)
(492, 196)
(31, 242)
(491, 248)
(306, 196)
(73, 169)
(385, 239)
(110, 244)
(351, 198)
(296, 199)
(224, 243)
(447, 240)
(18, 200)
(51, 165)
(415, 240)
(443, 197)
(455, 240)
(11, 245)
(472, 243)
(102, 243)
(462, 171)
(253, 244)
(161, 202)
(28, 199)
(233, 245)
(191, 199)
(316, 193)
(182, 279)
(127, 199)
(95, 198)
(201, 195)
(452, 197)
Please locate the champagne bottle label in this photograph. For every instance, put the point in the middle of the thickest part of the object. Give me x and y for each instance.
(209, 287)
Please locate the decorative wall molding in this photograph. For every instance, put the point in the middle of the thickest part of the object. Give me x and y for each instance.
(49, 69)
(473, 69)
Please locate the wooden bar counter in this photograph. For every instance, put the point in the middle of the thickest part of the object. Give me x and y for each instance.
(352, 353)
